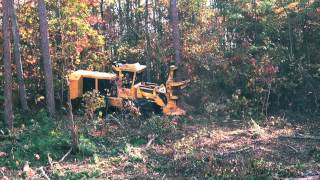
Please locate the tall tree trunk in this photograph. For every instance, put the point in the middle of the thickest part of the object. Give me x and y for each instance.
(127, 18)
(103, 26)
(290, 38)
(154, 20)
(120, 18)
(44, 36)
(147, 46)
(176, 37)
(137, 17)
(17, 58)
(255, 19)
(7, 65)
(101, 9)
(160, 32)
(157, 40)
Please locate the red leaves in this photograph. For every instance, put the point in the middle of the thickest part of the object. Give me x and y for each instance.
(246, 44)
(3, 154)
(91, 2)
(79, 48)
(271, 69)
(253, 61)
(31, 60)
(29, 172)
(267, 70)
(93, 20)
(81, 44)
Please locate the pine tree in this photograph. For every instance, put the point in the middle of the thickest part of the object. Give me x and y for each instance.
(46, 57)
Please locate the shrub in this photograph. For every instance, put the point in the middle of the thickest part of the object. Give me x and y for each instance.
(87, 147)
(92, 101)
(40, 138)
(161, 126)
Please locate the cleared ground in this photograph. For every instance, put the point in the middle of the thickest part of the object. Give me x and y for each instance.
(197, 148)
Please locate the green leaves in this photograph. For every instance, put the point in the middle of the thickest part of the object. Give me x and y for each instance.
(236, 16)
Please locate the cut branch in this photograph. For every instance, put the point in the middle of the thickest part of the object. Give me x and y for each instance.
(43, 173)
(151, 139)
(62, 159)
(291, 147)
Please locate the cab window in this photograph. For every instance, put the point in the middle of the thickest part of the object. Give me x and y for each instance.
(139, 78)
(127, 79)
(107, 87)
(89, 84)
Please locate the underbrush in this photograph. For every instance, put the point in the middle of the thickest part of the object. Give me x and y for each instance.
(159, 126)
(79, 175)
(40, 141)
(125, 149)
(35, 142)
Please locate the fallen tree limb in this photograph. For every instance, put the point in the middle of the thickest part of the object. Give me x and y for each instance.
(52, 163)
(50, 160)
(63, 157)
(151, 139)
(43, 173)
(301, 136)
(294, 149)
(2, 173)
(235, 151)
(164, 176)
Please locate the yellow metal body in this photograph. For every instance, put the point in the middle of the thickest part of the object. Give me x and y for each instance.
(76, 84)
(76, 80)
(171, 108)
(141, 90)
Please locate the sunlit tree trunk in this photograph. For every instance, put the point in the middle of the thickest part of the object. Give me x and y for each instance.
(103, 27)
(44, 36)
(7, 65)
(176, 37)
(17, 58)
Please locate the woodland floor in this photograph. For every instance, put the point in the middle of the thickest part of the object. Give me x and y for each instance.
(198, 149)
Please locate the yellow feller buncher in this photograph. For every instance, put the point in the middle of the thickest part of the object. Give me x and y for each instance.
(126, 85)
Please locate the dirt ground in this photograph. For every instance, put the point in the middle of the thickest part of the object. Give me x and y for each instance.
(201, 149)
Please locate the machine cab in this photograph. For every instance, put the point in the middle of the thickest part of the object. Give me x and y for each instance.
(128, 76)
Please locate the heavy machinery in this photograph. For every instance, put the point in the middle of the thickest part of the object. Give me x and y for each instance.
(125, 85)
